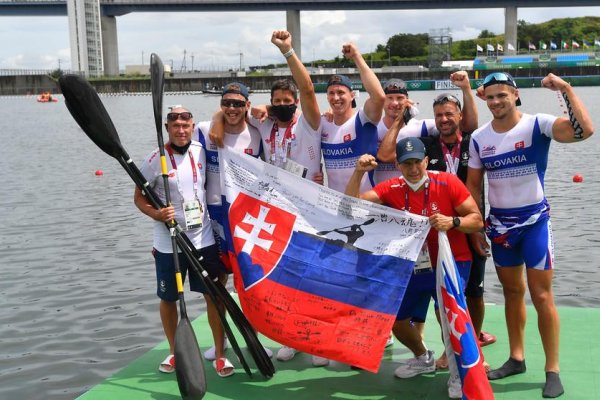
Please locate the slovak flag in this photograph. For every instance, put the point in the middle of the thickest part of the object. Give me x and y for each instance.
(314, 269)
(459, 334)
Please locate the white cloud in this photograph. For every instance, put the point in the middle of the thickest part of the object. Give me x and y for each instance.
(316, 19)
(217, 39)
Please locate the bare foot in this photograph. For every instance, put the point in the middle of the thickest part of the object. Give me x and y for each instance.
(442, 362)
(486, 367)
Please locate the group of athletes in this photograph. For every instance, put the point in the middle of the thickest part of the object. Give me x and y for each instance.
(383, 153)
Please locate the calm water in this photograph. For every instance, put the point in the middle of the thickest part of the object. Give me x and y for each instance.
(77, 279)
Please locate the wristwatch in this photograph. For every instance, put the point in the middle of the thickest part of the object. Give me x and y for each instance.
(455, 222)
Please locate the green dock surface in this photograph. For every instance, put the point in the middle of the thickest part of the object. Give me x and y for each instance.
(298, 379)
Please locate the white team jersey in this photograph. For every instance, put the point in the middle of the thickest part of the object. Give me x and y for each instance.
(248, 142)
(181, 188)
(342, 146)
(515, 161)
(414, 128)
(304, 146)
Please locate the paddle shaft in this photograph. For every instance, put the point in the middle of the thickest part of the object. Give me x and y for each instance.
(215, 289)
(87, 109)
(191, 377)
(158, 83)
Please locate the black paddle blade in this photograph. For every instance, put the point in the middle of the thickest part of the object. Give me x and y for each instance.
(189, 366)
(89, 113)
(157, 83)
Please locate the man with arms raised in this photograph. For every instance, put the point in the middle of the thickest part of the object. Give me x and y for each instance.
(512, 150)
(291, 140)
(350, 133)
(403, 125)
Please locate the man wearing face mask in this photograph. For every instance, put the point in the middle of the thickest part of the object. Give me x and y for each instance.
(446, 201)
(291, 140)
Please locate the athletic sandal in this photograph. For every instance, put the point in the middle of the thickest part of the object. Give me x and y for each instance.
(486, 338)
(223, 367)
(168, 365)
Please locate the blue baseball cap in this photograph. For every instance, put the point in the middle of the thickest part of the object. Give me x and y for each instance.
(340, 80)
(236, 87)
(344, 81)
(408, 148)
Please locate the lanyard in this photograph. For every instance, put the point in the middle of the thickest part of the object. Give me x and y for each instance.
(170, 151)
(286, 142)
(425, 199)
(452, 157)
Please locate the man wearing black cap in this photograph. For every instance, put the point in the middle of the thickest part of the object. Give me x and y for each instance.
(512, 150)
(446, 201)
(351, 133)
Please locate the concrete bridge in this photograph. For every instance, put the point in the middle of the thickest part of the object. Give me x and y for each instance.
(93, 26)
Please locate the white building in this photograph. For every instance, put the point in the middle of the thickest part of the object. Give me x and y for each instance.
(85, 36)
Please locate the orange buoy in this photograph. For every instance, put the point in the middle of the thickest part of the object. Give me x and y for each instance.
(100, 173)
(577, 178)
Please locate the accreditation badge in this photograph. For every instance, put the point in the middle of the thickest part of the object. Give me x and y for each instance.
(295, 168)
(423, 263)
(193, 213)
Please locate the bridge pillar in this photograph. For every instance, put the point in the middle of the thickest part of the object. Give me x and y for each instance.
(110, 45)
(510, 29)
(292, 18)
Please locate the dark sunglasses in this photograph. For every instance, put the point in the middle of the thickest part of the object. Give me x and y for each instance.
(233, 103)
(395, 88)
(499, 77)
(445, 98)
(174, 116)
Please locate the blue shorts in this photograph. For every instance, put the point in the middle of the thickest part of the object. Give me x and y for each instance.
(474, 287)
(421, 289)
(531, 244)
(166, 288)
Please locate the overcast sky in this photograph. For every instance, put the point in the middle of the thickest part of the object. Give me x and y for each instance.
(217, 39)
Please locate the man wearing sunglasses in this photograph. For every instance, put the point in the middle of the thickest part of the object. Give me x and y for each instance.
(449, 152)
(452, 124)
(512, 150)
(399, 123)
(350, 134)
(187, 179)
(237, 135)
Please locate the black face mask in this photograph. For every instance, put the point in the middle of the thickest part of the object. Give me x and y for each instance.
(284, 113)
(181, 149)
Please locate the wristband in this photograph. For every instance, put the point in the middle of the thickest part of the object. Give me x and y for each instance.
(289, 53)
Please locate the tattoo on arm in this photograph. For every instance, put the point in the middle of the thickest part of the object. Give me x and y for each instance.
(574, 123)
